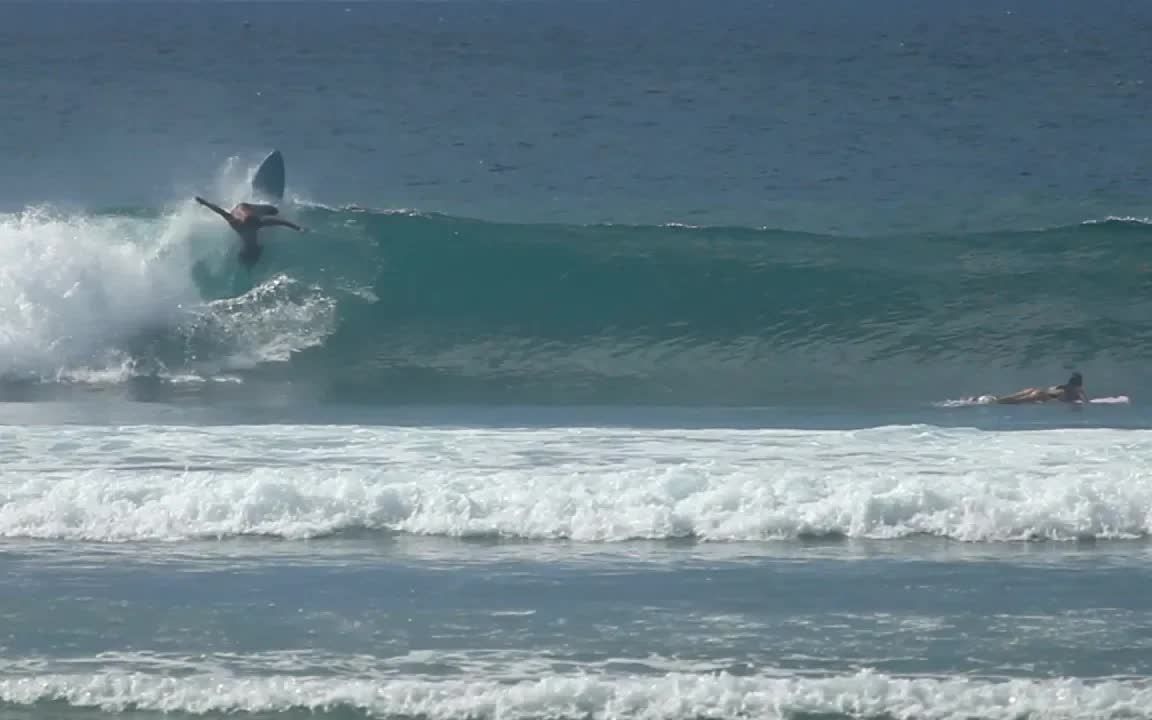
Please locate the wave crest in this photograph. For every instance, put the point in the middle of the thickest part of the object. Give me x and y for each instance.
(410, 307)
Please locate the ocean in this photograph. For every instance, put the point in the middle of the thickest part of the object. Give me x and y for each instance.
(623, 372)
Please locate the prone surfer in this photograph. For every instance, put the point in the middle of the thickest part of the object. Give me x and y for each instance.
(247, 219)
(1070, 392)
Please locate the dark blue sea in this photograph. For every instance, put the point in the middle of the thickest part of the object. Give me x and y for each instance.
(628, 369)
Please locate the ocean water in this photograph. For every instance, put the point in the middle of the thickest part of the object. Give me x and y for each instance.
(622, 373)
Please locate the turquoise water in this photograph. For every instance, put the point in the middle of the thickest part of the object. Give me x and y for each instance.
(399, 308)
(613, 378)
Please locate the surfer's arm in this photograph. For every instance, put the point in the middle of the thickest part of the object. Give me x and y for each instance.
(215, 208)
(266, 221)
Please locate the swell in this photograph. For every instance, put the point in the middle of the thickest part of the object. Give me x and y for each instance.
(411, 307)
(550, 313)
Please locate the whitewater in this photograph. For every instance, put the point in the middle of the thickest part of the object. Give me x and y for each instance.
(594, 485)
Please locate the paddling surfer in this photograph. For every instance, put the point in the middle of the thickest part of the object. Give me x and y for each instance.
(1070, 392)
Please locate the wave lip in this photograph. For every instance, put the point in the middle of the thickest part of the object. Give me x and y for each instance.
(585, 484)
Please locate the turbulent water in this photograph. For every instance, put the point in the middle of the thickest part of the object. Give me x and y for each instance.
(589, 485)
(410, 307)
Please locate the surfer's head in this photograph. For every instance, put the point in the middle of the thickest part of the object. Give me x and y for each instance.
(1073, 390)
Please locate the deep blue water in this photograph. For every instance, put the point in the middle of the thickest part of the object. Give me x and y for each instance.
(841, 116)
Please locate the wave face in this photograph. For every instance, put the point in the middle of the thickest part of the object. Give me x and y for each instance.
(409, 307)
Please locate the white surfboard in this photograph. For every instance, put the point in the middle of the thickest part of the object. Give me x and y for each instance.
(991, 400)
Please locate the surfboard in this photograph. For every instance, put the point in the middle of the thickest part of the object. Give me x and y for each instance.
(268, 180)
(991, 400)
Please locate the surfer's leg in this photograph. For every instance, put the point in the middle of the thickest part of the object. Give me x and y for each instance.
(1029, 395)
(250, 254)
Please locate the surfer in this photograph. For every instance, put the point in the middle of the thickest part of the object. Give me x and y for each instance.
(1071, 391)
(247, 219)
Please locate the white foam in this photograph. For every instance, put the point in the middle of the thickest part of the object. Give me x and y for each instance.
(585, 484)
(502, 665)
(268, 323)
(675, 696)
(73, 287)
(1131, 219)
(77, 293)
(968, 402)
